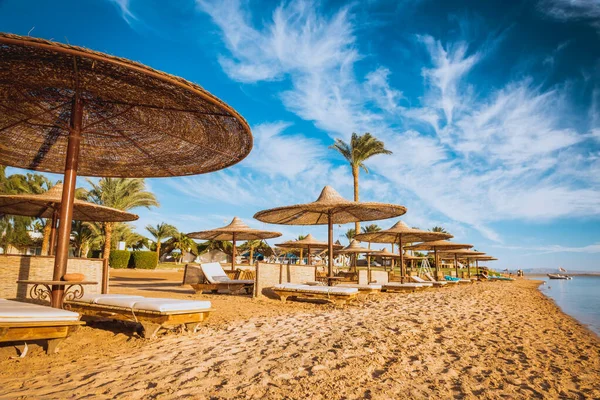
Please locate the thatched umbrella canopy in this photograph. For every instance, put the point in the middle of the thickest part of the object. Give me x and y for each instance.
(485, 257)
(438, 245)
(235, 230)
(73, 110)
(330, 208)
(462, 253)
(401, 233)
(309, 243)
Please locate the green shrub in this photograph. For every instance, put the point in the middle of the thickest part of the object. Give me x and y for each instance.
(144, 259)
(119, 258)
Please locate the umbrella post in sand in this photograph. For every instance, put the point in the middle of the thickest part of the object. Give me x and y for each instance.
(456, 264)
(336, 209)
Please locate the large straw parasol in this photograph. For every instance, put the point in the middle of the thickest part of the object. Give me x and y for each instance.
(462, 253)
(47, 205)
(441, 245)
(235, 230)
(309, 243)
(70, 110)
(401, 233)
(482, 258)
(330, 208)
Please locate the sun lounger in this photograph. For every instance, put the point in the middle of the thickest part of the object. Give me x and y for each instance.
(370, 289)
(217, 279)
(434, 283)
(397, 287)
(430, 279)
(152, 313)
(335, 294)
(454, 279)
(23, 322)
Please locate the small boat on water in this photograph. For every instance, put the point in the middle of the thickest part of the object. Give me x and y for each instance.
(559, 276)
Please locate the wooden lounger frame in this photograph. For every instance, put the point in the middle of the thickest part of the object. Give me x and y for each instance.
(151, 321)
(52, 331)
(215, 287)
(400, 289)
(337, 299)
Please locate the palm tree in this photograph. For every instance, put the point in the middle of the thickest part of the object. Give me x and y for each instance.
(350, 233)
(360, 148)
(251, 245)
(370, 229)
(438, 229)
(183, 243)
(161, 232)
(123, 194)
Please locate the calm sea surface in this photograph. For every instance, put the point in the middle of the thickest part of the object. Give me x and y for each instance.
(578, 297)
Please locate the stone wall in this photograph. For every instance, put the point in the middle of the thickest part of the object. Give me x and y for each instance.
(21, 267)
(376, 277)
(269, 275)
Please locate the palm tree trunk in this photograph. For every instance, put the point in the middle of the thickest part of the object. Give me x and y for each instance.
(158, 249)
(108, 227)
(46, 240)
(355, 176)
(251, 255)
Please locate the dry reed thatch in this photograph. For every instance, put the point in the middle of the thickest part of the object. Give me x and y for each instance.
(409, 235)
(386, 253)
(46, 204)
(355, 248)
(236, 227)
(329, 203)
(308, 242)
(439, 245)
(138, 122)
(462, 253)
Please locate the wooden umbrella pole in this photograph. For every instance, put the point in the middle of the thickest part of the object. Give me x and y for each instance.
(437, 267)
(469, 267)
(233, 251)
(68, 196)
(402, 268)
(477, 266)
(53, 221)
(456, 264)
(308, 255)
(330, 242)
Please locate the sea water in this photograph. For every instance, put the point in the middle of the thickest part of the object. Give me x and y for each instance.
(578, 297)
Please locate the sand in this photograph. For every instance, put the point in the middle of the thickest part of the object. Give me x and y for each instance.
(488, 340)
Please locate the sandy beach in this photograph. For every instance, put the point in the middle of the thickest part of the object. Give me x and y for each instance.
(487, 340)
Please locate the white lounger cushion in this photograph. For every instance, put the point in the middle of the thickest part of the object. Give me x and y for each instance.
(214, 274)
(16, 311)
(421, 280)
(416, 285)
(154, 303)
(93, 298)
(293, 287)
(371, 286)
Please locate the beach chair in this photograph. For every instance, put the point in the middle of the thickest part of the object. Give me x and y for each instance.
(216, 279)
(152, 313)
(434, 283)
(334, 294)
(431, 279)
(23, 322)
(449, 278)
(409, 287)
(369, 290)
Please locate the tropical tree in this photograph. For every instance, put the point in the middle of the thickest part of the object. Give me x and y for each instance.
(360, 148)
(438, 229)
(350, 233)
(370, 229)
(183, 243)
(161, 232)
(250, 245)
(123, 194)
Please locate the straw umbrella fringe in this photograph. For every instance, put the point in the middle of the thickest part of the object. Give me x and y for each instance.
(308, 242)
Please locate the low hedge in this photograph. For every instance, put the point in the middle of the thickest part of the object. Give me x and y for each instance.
(119, 258)
(144, 259)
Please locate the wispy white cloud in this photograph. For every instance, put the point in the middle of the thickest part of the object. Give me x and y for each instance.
(125, 7)
(577, 10)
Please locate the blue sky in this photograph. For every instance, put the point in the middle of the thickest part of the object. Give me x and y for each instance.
(492, 109)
